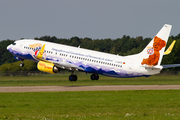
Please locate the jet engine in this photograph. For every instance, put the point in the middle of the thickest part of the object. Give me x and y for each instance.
(47, 67)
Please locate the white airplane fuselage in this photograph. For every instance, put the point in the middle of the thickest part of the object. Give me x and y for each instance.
(52, 57)
(82, 59)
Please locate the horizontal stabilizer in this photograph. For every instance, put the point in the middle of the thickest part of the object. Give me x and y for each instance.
(161, 66)
(171, 65)
(170, 48)
(152, 67)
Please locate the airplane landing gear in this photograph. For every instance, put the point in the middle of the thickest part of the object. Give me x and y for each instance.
(21, 64)
(73, 77)
(94, 76)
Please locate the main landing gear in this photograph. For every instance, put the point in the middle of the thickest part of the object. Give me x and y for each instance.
(94, 76)
(73, 77)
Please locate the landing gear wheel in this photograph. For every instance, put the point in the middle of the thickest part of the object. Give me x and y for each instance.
(22, 64)
(94, 77)
(73, 78)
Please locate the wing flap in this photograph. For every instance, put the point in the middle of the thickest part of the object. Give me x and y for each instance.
(68, 66)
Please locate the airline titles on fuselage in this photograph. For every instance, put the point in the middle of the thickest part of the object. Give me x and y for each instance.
(83, 57)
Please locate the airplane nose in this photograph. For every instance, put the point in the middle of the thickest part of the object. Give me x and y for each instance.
(8, 47)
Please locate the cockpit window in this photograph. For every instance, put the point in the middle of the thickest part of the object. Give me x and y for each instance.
(14, 44)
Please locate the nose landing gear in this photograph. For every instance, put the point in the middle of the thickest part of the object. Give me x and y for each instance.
(21, 64)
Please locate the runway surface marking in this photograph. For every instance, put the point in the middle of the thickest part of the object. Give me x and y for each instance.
(87, 88)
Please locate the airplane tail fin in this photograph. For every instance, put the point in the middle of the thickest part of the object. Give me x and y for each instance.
(154, 51)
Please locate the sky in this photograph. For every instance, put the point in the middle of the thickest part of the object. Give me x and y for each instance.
(96, 19)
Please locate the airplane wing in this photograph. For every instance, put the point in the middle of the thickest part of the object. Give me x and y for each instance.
(40, 55)
(66, 65)
(63, 65)
(170, 48)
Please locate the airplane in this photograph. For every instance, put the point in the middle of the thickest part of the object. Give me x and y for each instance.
(52, 57)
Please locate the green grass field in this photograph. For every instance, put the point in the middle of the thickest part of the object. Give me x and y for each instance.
(104, 105)
(84, 80)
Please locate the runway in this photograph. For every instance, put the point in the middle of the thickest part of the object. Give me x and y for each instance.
(87, 88)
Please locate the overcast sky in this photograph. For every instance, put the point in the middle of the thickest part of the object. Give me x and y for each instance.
(96, 19)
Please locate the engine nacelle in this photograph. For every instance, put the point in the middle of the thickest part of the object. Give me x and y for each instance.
(47, 67)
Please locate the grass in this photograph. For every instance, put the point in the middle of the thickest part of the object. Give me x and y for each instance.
(110, 105)
(84, 80)
(104, 105)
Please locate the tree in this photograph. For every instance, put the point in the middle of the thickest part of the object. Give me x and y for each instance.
(75, 41)
(15, 66)
(6, 56)
(122, 46)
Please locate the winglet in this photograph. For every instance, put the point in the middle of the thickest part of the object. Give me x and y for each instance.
(170, 48)
(40, 55)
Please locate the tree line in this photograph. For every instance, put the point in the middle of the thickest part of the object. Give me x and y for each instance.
(122, 46)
